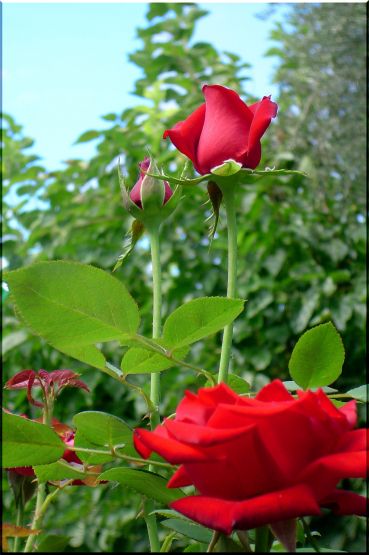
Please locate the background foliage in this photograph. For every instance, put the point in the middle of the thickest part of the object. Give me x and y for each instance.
(302, 243)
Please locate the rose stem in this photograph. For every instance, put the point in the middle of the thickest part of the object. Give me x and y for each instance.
(156, 320)
(262, 539)
(19, 519)
(151, 523)
(229, 201)
(47, 415)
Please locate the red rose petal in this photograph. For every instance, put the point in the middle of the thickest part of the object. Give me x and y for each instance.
(350, 412)
(185, 134)
(191, 409)
(247, 455)
(225, 516)
(352, 464)
(264, 111)
(323, 474)
(220, 393)
(346, 503)
(135, 194)
(170, 449)
(274, 391)
(355, 440)
(292, 431)
(204, 436)
(226, 128)
(180, 479)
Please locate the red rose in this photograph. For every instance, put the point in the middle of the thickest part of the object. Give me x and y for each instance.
(260, 461)
(135, 194)
(223, 128)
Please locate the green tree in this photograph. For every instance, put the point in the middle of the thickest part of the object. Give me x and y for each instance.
(322, 80)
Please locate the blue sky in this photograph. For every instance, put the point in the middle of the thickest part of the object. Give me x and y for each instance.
(66, 65)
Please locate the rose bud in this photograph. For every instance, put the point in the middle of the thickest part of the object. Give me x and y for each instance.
(259, 461)
(147, 185)
(223, 129)
(151, 200)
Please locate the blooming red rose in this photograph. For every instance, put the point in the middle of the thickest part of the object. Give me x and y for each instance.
(259, 461)
(223, 128)
(135, 194)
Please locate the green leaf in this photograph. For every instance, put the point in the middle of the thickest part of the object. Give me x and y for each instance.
(59, 470)
(360, 393)
(215, 196)
(28, 443)
(170, 513)
(195, 548)
(12, 340)
(147, 483)
(142, 361)
(199, 318)
(88, 136)
(238, 384)
(73, 306)
(110, 117)
(188, 529)
(292, 386)
(52, 543)
(102, 429)
(90, 458)
(318, 357)
(129, 242)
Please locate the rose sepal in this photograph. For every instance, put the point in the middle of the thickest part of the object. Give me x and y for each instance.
(240, 175)
(171, 204)
(228, 168)
(152, 192)
(128, 204)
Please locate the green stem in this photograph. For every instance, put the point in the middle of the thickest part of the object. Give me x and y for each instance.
(114, 453)
(156, 320)
(262, 539)
(47, 416)
(37, 517)
(19, 520)
(167, 354)
(150, 519)
(40, 512)
(229, 202)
